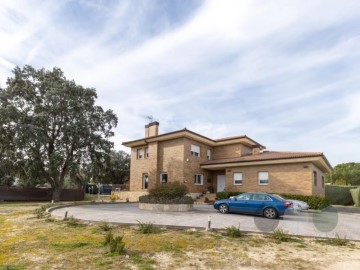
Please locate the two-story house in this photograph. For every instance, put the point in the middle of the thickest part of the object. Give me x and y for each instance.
(236, 163)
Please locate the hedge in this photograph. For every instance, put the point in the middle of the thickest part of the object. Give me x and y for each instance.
(226, 194)
(314, 202)
(162, 200)
(339, 194)
(169, 193)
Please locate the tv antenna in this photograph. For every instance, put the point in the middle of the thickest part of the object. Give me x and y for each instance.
(150, 118)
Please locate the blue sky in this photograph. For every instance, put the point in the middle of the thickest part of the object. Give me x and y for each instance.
(285, 73)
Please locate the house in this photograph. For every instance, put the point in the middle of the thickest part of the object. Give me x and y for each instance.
(232, 164)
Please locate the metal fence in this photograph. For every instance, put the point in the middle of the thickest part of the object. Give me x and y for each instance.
(38, 194)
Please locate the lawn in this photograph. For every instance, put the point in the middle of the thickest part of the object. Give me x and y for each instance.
(31, 240)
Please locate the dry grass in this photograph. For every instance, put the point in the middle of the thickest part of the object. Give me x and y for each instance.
(27, 242)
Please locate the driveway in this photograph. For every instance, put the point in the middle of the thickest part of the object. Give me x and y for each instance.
(328, 223)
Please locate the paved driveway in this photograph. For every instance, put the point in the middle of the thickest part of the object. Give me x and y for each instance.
(328, 223)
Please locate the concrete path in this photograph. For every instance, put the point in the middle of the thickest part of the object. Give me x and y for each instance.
(328, 223)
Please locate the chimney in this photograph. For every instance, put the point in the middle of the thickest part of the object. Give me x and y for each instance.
(256, 150)
(152, 129)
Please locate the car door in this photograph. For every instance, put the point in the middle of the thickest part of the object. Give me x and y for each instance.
(240, 203)
(257, 203)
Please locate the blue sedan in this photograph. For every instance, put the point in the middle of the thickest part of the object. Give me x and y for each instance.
(255, 203)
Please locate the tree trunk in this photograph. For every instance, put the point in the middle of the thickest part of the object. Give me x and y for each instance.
(56, 194)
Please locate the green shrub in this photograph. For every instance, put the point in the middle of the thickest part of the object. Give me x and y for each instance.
(355, 193)
(116, 243)
(41, 212)
(314, 202)
(73, 222)
(162, 200)
(280, 235)
(226, 194)
(233, 232)
(337, 241)
(147, 228)
(339, 194)
(105, 226)
(108, 237)
(169, 191)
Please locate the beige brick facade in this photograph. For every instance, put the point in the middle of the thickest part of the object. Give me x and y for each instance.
(171, 154)
(289, 178)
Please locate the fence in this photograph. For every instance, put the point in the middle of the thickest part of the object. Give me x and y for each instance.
(38, 194)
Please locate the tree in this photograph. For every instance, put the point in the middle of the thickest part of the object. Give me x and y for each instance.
(347, 172)
(52, 126)
(118, 167)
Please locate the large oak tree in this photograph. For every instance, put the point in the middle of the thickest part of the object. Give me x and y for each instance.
(51, 126)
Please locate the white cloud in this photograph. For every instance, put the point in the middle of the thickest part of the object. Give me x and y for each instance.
(283, 72)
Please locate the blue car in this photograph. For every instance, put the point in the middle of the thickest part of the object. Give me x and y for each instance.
(255, 203)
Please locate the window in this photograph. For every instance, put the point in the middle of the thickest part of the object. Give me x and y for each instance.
(263, 178)
(139, 153)
(237, 178)
(261, 197)
(315, 178)
(322, 181)
(195, 150)
(163, 178)
(145, 181)
(208, 154)
(243, 197)
(198, 179)
(146, 152)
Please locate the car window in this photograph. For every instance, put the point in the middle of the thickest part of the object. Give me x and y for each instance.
(258, 197)
(243, 197)
(261, 197)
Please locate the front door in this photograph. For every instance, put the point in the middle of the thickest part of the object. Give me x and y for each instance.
(220, 183)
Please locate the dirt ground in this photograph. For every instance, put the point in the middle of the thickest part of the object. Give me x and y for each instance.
(30, 242)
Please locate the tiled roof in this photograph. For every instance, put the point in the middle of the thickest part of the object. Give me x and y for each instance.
(266, 155)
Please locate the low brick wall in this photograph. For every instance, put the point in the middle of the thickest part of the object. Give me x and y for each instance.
(166, 207)
(131, 196)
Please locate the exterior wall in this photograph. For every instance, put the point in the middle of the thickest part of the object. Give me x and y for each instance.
(137, 168)
(319, 189)
(230, 151)
(171, 160)
(192, 167)
(287, 178)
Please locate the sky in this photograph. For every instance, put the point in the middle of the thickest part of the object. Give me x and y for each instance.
(285, 73)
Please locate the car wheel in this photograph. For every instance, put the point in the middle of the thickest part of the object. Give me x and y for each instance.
(223, 208)
(270, 213)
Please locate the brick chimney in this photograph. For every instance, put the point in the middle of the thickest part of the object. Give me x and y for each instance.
(152, 129)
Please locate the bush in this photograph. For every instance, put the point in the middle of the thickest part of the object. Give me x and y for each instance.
(116, 243)
(233, 232)
(41, 212)
(226, 194)
(169, 191)
(339, 194)
(105, 226)
(160, 200)
(280, 235)
(314, 202)
(147, 228)
(355, 193)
